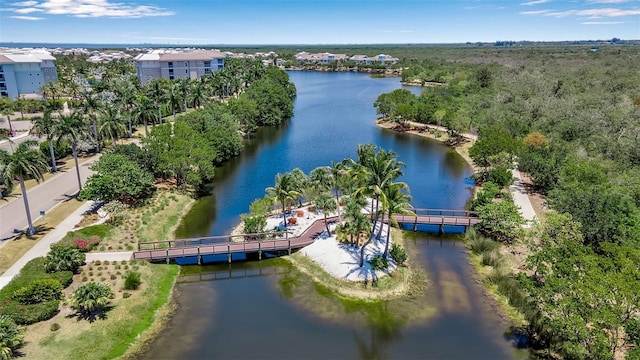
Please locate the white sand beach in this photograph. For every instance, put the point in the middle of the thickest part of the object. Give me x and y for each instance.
(337, 259)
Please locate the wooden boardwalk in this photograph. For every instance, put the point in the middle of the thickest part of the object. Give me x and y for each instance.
(439, 217)
(282, 242)
(217, 245)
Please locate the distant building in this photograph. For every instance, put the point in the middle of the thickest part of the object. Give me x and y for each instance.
(328, 58)
(173, 64)
(23, 72)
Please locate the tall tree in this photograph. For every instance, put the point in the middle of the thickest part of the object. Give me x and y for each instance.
(145, 111)
(26, 161)
(396, 202)
(45, 126)
(91, 106)
(111, 124)
(284, 191)
(73, 128)
(156, 90)
(327, 204)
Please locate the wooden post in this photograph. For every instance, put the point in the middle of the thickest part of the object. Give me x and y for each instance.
(199, 257)
(167, 258)
(441, 229)
(289, 247)
(260, 250)
(229, 252)
(415, 223)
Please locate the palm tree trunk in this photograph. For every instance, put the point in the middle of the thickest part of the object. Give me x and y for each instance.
(159, 114)
(174, 114)
(75, 158)
(284, 216)
(326, 224)
(129, 118)
(362, 251)
(10, 126)
(31, 230)
(146, 130)
(53, 157)
(95, 132)
(386, 245)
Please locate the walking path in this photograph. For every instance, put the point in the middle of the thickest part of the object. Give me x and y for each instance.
(521, 199)
(42, 247)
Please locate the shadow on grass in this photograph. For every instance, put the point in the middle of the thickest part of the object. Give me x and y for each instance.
(91, 316)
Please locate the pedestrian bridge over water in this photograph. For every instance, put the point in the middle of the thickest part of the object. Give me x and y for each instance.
(280, 243)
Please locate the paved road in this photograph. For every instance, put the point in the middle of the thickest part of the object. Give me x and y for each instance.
(42, 197)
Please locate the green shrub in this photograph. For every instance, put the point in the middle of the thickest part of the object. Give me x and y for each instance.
(126, 295)
(32, 313)
(39, 291)
(55, 327)
(60, 149)
(10, 337)
(632, 328)
(132, 280)
(378, 262)
(398, 254)
(501, 176)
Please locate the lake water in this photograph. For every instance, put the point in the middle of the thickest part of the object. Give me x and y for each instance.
(269, 310)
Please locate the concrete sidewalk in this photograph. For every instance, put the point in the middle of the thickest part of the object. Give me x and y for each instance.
(44, 245)
(521, 199)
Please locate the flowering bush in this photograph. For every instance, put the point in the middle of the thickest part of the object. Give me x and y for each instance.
(292, 221)
(86, 245)
(299, 213)
(311, 209)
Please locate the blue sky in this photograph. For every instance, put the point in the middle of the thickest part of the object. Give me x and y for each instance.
(315, 22)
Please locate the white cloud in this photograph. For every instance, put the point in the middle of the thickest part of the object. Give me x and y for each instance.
(91, 8)
(607, 1)
(591, 13)
(534, 2)
(29, 18)
(25, 3)
(27, 10)
(602, 22)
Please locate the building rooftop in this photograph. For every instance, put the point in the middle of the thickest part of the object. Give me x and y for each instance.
(27, 55)
(179, 55)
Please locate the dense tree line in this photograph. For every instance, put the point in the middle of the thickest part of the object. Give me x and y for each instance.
(570, 118)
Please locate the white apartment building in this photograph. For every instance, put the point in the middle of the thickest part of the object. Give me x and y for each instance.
(178, 64)
(24, 71)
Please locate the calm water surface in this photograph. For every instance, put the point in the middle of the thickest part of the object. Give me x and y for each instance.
(270, 310)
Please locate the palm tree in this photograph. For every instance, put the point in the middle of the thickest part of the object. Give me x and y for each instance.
(379, 170)
(6, 108)
(156, 91)
(326, 203)
(396, 202)
(184, 88)
(144, 110)
(301, 182)
(198, 93)
(111, 125)
(320, 179)
(284, 190)
(91, 106)
(173, 99)
(45, 126)
(72, 127)
(91, 297)
(25, 161)
(126, 91)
